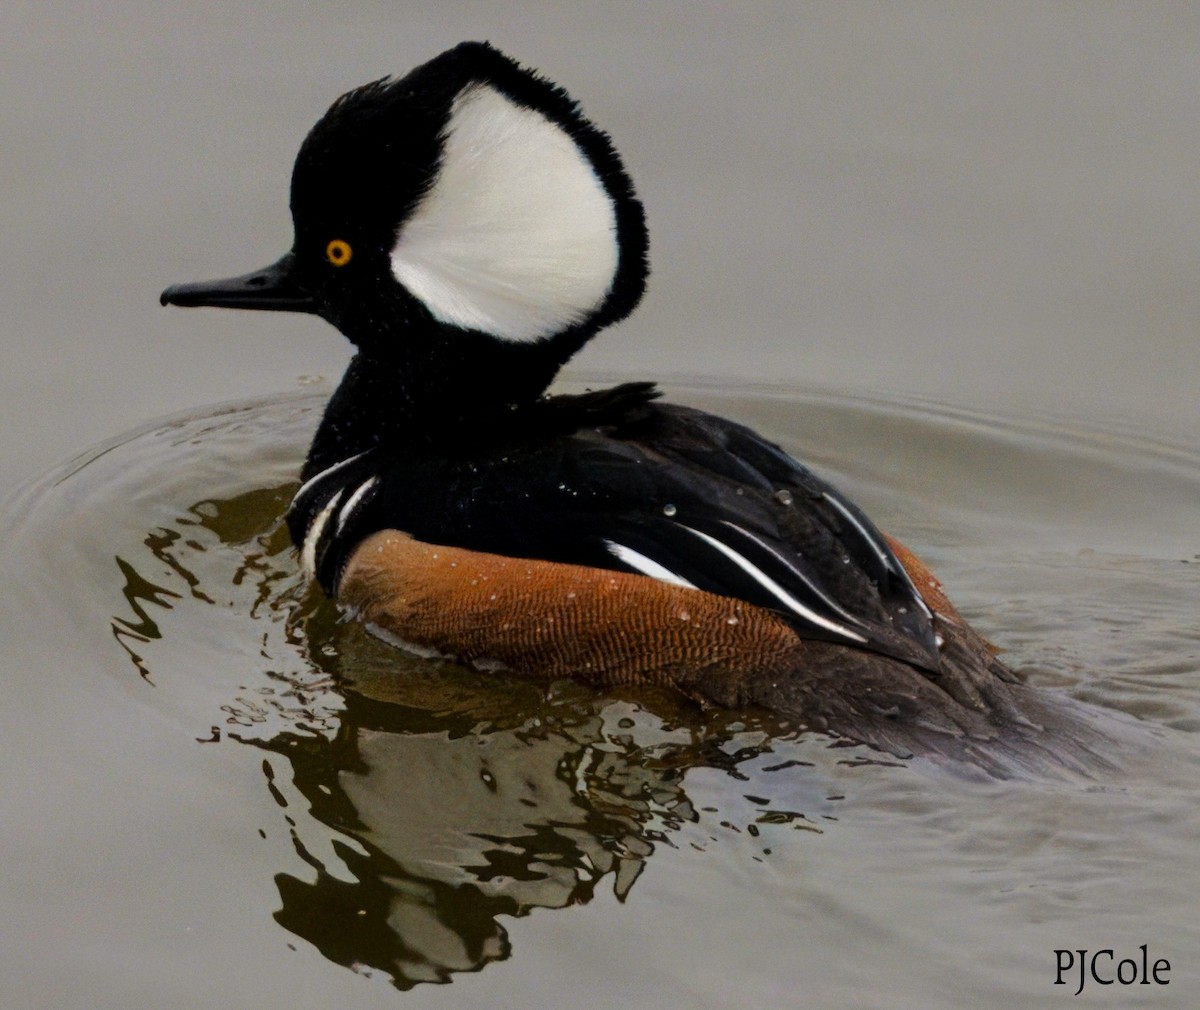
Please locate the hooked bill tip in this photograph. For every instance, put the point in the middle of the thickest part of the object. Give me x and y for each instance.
(191, 294)
(273, 288)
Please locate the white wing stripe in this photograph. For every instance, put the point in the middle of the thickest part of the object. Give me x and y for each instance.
(787, 562)
(916, 593)
(645, 565)
(777, 590)
(876, 546)
(884, 555)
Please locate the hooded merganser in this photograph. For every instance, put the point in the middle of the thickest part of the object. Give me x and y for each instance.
(468, 230)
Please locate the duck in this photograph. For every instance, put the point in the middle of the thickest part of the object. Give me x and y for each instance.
(468, 230)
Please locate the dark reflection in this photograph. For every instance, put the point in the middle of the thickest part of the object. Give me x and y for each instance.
(473, 799)
(252, 519)
(435, 800)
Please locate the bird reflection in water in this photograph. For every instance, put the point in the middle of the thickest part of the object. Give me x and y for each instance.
(429, 801)
(473, 799)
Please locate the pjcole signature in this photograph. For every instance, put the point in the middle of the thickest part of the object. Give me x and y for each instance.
(1103, 968)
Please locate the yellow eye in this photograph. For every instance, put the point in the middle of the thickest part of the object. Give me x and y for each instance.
(338, 252)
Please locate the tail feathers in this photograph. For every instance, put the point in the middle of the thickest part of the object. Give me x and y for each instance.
(976, 717)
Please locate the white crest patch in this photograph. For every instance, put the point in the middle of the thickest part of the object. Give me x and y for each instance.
(517, 237)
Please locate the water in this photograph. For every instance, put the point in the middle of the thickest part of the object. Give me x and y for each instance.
(257, 785)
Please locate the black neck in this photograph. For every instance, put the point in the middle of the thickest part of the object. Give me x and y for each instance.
(433, 394)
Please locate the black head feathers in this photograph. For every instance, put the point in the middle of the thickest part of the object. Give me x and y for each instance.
(479, 187)
(465, 211)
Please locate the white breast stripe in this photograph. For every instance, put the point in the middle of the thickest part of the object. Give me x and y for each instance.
(786, 561)
(308, 554)
(351, 502)
(776, 590)
(645, 565)
(325, 473)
